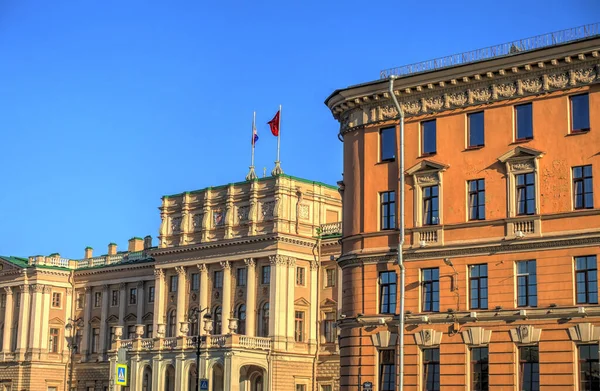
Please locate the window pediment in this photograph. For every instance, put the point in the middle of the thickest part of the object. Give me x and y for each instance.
(112, 319)
(148, 316)
(302, 302)
(130, 318)
(520, 158)
(426, 167)
(95, 319)
(328, 303)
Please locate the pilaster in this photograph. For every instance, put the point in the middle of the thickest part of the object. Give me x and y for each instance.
(290, 315)
(226, 311)
(250, 297)
(181, 291)
(122, 302)
(35, 324)
(140, 301)
(159, 300)
(23, 322)
(8, 320)
(277, 307)
(103, 318)
(87, 314)
(314, 306)
(203, 299)
(45, 317)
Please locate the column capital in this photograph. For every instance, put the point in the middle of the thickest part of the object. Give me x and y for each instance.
(159, 273)
(87, 289)
(8, 290)
(180, 270)
(250, 262)
(277, 260)
(123, 285)
(226, 265)
(69, 291)
(46, 289)
(140, 284)
(37, 288)
(314, 265)
(202, 267)
(106, 286)
(25, 288)
(291, 261)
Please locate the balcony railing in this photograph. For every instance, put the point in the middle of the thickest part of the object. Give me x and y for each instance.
(330, 229)
(229, 341)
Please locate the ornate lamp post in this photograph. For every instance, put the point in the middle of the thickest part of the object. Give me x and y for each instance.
(71, 329)
(194, 319)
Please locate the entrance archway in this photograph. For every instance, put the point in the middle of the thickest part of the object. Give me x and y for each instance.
(252, 378)
(169, 378)
(192, 378)
(217, 377)
(147, 379)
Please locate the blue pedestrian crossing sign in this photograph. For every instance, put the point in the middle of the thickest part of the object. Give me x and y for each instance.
(203, 384)
(122, 374)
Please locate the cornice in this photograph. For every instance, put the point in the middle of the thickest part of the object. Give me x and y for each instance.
(112, 269)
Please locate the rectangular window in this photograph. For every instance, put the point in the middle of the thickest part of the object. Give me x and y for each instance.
(150, 294)
(131, 332)
(583, 189)
(431, 369)
(80, 298)
(580, 113)
(329, 327)
(329, 278)
(133, 296)
(525, 194)
(195, 282)
(50, 388)
(3, 301)
(431, 290)
(526, 284)
(387, 370)
(56, 299)
(476, 199)
(387, 138)
(388, 209)
(173, 282)
(588, 367)
(529, 368)
(149, 331)
(266, 275)
(242, 276)
(95, 340)
(431, 214)
(586, 280)
(300, 272)
(53, 342)
(97, 299)
(18, 300)
(479, 369)
(387, 292)
(114, 298)
(428, 135)
(299, 326)
(479, 286)
(218, 279)
(326, 387)
(524, 122)
(475, 130)
(300, 387)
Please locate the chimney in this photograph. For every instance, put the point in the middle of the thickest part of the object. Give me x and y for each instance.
(112, 249)
(88, 252)
(147, 242)
(136, 244)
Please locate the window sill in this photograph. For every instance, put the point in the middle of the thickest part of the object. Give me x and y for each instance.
(521, 141)
(385, 161)
(474, 148)
(578, 132)
(423, 155)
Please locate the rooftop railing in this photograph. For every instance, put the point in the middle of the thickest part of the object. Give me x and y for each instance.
(497, 51)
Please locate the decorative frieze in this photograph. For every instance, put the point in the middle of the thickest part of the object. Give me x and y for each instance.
(303, 211)
(250, 262)
(277, 260)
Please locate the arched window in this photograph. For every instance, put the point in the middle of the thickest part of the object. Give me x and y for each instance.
(217, 321)
(193, 330)
(172, 326)
(241, 315)
(147, 379)
(264, 320)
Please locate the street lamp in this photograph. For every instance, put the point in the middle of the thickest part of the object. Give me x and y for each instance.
(194, 319)
(71, 329)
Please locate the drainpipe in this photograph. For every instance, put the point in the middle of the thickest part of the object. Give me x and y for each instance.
(400, 239)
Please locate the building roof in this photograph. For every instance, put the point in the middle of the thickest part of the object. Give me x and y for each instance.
(17, 261)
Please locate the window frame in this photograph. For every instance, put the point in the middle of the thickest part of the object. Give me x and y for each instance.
(387, 369)
(479, 279)
(299, 322)
(173, 283)
(265, 275)
(114, 294)
(330, 277)
(97, 299)
(423, 125)
(218, 279)
(436, 368)
(478, 384)
(572, 129)
(523, 364)
(434, 290)
(386, 291)
(428, 215)
(54, 304)
(523, 189)
(241, 277)
(79, 301)
(195, 282)
(133, 296)
(585, 272)
(383, 159)
(53, 340)
(526, 277)
(300, 276)
(151, 293)
(583, 383)
(582, 180)
(516, 122)
(469, 127)
(387, 210)
(329, 329)
(478, 195)
(96, 344)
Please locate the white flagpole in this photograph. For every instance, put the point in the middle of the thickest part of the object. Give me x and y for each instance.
(277, 170)
(252, 175)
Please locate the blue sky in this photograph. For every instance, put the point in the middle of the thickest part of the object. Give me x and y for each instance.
(105, 106)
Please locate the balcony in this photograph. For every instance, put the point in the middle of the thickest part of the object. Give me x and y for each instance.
(525, 226)
(330, 230)
(430, 235)
(228, 341)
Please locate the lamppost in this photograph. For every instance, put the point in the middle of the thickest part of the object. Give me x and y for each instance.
(71, 329)
(194, 319)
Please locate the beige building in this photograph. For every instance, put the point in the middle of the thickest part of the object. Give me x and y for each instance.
(248, 267)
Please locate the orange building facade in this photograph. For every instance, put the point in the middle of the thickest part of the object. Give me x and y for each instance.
(502, 226)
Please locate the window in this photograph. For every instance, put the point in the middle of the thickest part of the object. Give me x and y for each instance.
(114, 298)
(526, 284)
(150, 294)
(300, 387)
(479, 369)
(133, 296)
(529, 368)
(173, 281)
(326, 387)
(78, 339)
(329, 327)
(387, 292)
(95, 340)
(18, 300)
(475, 130)
(586, 280)
(242, 276)
(3, 300)
(56, 300)
(524, 122)
(266, 275)
(217, 321)
(195, 281)
(388, 209)
(431, 206)
(428, 137)
(264, 320)
(53, 341)
(526, 194)
(241, 315)
(476, 199)
(149, 330)
(50, 388)
(97, 299)
(80, 298)
(588, 367)
(479, 286)
(583, 189)
(387, 370)
(300, 272)
(387, 147)
(580, 113)
(172, 325)
(431, 369)
(299, 323)
(131, 332)
(218, 279)
(431, 290)
(329, 278)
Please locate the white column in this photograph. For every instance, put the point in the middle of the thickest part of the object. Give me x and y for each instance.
(277, 307)
(35, 323)
(179, 385)
(8, 319)
(226, 310)
(314, 305)
(159, 302)
(250, 297)
(181, 292)
(68, 314)
(122, 305)
(203, 299)
(103, 318)
(290, 315)
(140, 302)
(23, 320)
(87, 314)
(231, 374)
(45, 317)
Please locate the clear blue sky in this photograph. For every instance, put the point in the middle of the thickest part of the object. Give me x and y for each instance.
(105, 106)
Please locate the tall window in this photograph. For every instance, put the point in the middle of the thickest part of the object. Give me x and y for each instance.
(529, 368)
(479, 286)
(97, 299)
(18, 300)
(388, 210)
(580, 113)
(299, 326)
(588, 368)
(149, 330)
(329, 278)
(300, 387)
(53, 342)
(526, 284)
(387, 146)
(476, 199)
(300, 272)
(114, 301)
(475, 129)
(173, 282)
(133, 296)
(195, 282)
(95, 340)
(586, 279)
(131, 332)
(329, 327)
(3, 300)
(241, 315)
(431, 215)
(583, 189)
(151, 294)
(218, 279)
(428, 135)
(242, 276)
(172, 325)
(56, 300)
(266, 275)
(431, 369)
(479, 369)
(217, 321)
(387, 370)
(431, 290)
(264, 320)
(525, 194)
(524, 122)
(80, 298)
(387, 292)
